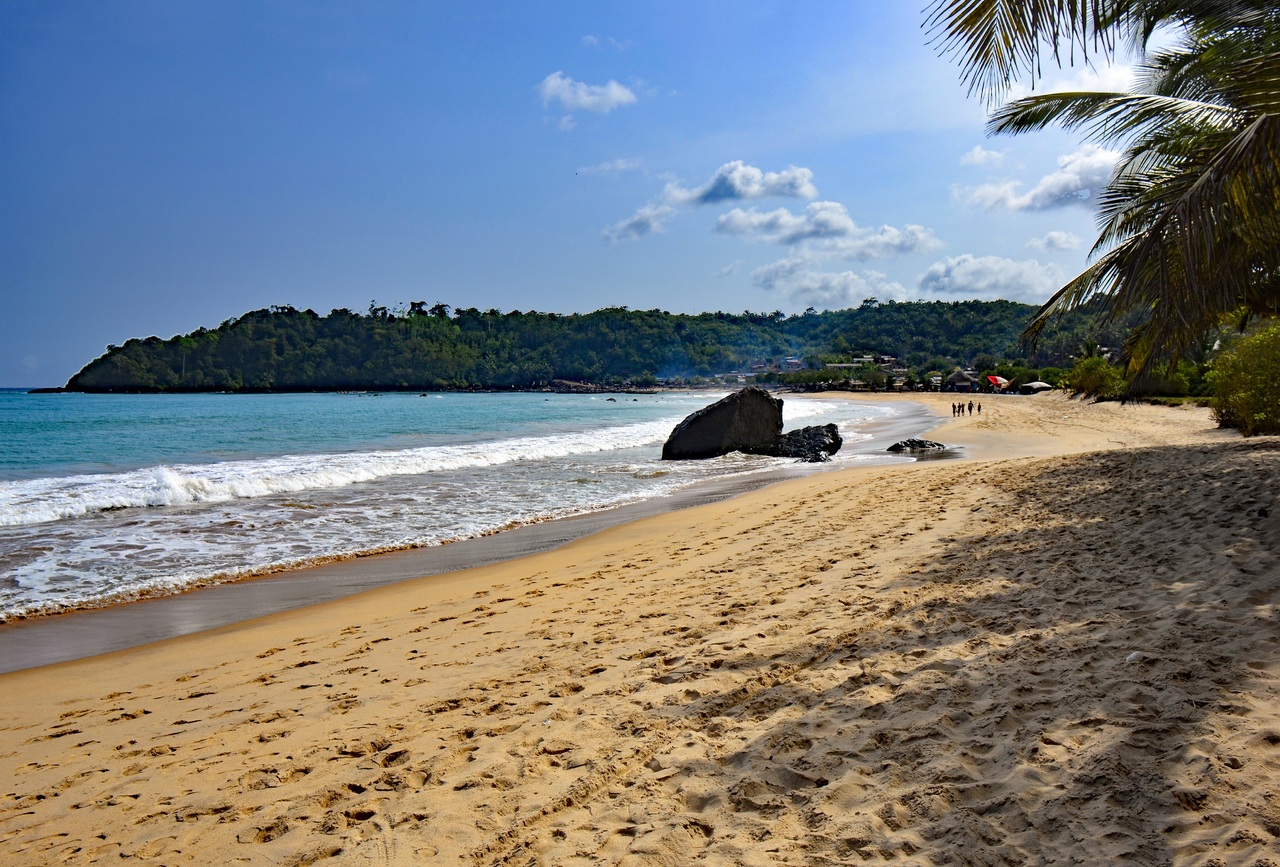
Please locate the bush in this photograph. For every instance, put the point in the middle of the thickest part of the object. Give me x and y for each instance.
(1051, 375)
(1093, 377)
(1246, 384)
(1176, 384)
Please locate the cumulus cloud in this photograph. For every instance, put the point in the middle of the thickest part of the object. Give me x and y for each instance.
(732, 181)
(612, 167)
(990, 278)
(820, 220)
(737, 180)
(1079, 176)
(980, 156)
(578, 96)
(802, 283)
(829, 228)
(1055, 240)
(650, 218)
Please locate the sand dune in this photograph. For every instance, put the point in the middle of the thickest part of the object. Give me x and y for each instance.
(1062, 650)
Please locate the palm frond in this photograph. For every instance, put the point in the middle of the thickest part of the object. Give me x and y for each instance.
(1189, 223)
(996, 39)
(1106, 117)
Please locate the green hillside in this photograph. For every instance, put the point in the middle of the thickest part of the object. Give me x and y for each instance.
(429, 348)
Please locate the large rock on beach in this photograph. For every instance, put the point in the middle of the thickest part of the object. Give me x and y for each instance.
(748, 421)
(742, 422)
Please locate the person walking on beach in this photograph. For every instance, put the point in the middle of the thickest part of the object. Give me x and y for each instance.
(979, 410)
(970, 407)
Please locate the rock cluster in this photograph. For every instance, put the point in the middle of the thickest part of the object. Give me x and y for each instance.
(915, 445)
(748, 421)
(813, 444)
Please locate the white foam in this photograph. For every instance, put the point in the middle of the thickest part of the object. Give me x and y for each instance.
(38, 501)
(243, 517)
(52, 499)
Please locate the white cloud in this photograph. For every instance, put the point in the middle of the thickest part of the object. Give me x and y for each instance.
(577, 96)
(731, 269)
(980, 156)
(737, 180)
(828, 229)
(650, 218)
(990, 278)
(622, 164)
(801, 283)
(593, 41)
(820, 220)
(1079, 176)
(1055, 240)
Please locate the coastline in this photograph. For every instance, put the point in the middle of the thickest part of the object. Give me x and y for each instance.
(1063, 643)
(74, 634)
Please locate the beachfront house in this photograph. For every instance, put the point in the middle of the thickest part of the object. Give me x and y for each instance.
(962, 381)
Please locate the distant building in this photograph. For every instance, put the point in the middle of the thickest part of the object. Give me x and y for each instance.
(962, 381)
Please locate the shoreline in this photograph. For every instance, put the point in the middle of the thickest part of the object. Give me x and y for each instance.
(1065, 643)
(63, 636)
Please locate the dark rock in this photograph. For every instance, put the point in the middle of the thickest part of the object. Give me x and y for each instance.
(813, 444)
(745, 421)
(915, 445)
(748, 421)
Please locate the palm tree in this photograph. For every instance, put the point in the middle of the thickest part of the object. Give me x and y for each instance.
(1190, 222)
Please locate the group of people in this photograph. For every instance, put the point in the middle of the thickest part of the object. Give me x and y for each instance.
(958, 409)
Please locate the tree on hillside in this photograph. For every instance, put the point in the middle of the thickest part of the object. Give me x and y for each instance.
(1190, 222)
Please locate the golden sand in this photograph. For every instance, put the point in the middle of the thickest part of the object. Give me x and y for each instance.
(1064, 649)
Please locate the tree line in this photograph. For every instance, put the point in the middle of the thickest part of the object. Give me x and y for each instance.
(418, 347)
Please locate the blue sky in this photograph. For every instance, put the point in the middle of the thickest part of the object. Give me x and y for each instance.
(171, 164)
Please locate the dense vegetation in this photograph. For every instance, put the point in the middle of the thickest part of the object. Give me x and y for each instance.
(421, 348)
(1190, 235)
(1246, 383)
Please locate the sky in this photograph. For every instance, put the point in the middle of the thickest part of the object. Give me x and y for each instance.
(171, 164)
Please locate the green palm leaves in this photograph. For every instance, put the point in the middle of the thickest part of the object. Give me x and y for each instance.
(1190, 222)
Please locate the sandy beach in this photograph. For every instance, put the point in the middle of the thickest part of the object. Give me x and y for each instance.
(1062, 649)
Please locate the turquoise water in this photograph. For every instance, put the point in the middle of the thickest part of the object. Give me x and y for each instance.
(105, 498)
(60, 434)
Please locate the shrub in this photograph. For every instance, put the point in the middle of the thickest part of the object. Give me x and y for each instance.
(1246, 383)
(1093, 377)
(1051, 375)
(1175, 384)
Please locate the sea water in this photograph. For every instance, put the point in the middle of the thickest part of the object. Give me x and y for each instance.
(107, 498)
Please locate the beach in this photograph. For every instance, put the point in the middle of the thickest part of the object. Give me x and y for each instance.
(1063, 648)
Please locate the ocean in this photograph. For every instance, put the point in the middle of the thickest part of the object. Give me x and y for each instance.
(111, 498)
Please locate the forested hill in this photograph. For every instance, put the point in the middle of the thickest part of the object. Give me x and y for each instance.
(423, 348)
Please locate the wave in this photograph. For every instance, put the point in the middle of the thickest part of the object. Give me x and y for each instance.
(39, 501)
(45, 500)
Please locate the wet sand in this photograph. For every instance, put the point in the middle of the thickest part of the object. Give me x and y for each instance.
(1063, 649)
